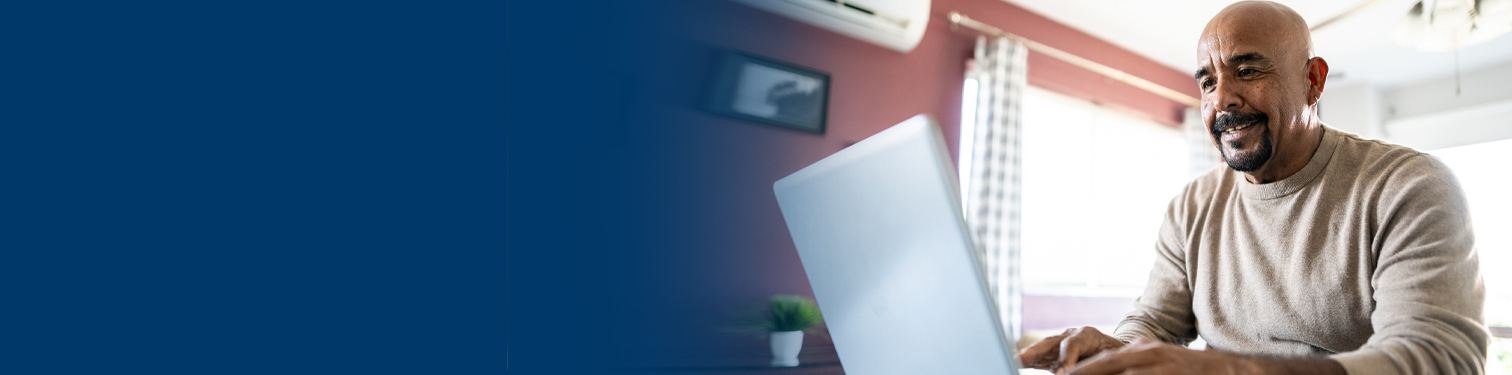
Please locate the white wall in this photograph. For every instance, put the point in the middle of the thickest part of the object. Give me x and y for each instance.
(1354, 107)
(1426, 115)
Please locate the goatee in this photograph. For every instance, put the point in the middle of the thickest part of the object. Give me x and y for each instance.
(1240, 160)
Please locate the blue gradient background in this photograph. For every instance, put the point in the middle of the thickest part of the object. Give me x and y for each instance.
(258, 187)
(362, 187)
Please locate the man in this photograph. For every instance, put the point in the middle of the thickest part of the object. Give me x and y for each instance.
(1319, 253)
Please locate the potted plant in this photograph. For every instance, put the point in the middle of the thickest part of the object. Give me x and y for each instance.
(788, 318)
(782, 321)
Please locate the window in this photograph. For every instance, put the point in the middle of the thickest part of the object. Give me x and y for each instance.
(1096, 183)
(1482, 172)
(968, 134)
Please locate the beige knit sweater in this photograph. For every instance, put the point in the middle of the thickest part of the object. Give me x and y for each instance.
(1365, 255)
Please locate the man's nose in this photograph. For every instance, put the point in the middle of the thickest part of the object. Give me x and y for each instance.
(1226, 96)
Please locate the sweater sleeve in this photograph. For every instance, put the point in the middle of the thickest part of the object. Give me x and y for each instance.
(1164, 311)
(1427, 285)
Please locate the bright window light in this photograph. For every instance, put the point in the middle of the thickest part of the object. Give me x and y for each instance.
(968, 134)
(1096, 185)
(1482, 172)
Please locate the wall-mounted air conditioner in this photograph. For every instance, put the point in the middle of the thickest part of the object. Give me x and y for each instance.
(895, 24)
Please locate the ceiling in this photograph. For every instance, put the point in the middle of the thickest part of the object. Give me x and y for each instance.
(1358, 48)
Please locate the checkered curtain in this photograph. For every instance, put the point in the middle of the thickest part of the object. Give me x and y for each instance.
(992, 196)
(1202, 155)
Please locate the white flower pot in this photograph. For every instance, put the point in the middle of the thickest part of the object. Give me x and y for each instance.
(785, 347)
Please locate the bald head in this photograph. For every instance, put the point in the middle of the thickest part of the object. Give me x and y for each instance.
(1261, 22)
(1260, 86)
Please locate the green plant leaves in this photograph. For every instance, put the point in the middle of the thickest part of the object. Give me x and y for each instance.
(793, 313)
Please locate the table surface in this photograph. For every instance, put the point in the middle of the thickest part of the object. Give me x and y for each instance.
(817, 368)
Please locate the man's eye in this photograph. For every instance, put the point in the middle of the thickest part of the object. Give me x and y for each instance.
(1246, 72)
(1206, 83)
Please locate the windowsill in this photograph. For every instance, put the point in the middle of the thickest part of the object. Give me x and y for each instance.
(1083, 291)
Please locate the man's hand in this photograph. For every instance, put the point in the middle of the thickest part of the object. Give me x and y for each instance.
(1152, 357)
(1064, 350)
(1149, 357)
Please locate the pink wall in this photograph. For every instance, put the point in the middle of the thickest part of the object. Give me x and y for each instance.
(1063, 77)
(750, 254)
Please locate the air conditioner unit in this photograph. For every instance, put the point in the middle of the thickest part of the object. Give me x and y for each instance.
(895, 24)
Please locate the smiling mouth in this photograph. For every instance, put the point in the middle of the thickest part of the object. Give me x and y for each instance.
(1236, 128)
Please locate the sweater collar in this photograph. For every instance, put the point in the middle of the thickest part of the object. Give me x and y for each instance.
(1297, 181)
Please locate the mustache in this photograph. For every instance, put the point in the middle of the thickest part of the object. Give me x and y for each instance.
(1236, 119)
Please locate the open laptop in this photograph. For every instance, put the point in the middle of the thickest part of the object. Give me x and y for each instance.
(879, 228)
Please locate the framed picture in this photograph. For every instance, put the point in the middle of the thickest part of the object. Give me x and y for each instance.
(770, 92)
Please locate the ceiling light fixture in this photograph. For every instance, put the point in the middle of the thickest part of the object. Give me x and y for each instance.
(1451, 25)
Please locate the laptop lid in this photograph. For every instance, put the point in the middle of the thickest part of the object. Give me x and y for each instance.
(879, 229)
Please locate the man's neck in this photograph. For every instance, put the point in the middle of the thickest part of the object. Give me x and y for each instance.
(1289, 160)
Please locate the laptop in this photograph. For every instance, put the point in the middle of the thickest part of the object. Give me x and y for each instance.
(894, 269)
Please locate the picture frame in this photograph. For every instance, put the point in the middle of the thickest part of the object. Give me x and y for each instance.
(771, 92)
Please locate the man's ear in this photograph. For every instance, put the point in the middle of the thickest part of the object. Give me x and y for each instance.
(1317, 74)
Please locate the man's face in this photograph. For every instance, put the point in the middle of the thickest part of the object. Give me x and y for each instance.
(1253, 89)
